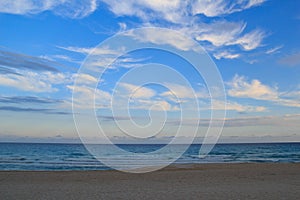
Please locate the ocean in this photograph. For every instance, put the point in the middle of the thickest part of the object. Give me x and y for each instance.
(41, 156)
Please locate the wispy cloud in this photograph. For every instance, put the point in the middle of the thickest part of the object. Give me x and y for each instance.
(94, 50)
(226, 54)
(133, 91)
(178, 93)
(165, 37)
(60, 57)
(34, 110)
(274, 50)
(28, 99)
(251, 40)
(234, 106)
(4, 70)
(83, 96)
(149, 10)
(70, 8)
(184, 16)
(30, 73)
(175, 14)
(222, 7)
(34, 81)
(106, 57)
(175, 97)
(139, 97)
(177, 11)
(218, 33)
(21, 61)
(284, 120)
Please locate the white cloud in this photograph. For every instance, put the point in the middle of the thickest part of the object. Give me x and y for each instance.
(290, 98)
(170, 10)
(230, 106)
(134, 91)
(274, 50)
(83, 97)
(93, 50)
(289, 102)
(219, 33)
(226, 54)
(164, 37)
(101, 57)
(144, 98)
(182, 16)
(126, 94)
(224, 33)
(243, 108)
(177, 11)
(61, 58)
(85, 79)
(156, 105)
(295, 94)
(66, 8)
(179, 93)
(123, 26)
(222, 7)
(210, 9)
(251, 40)
(240, 87)
(179, 15)
(33, 81)
(252, 3)
(183, 94)
(133, 97)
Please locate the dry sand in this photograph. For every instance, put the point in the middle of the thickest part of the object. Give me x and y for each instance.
(203, 181)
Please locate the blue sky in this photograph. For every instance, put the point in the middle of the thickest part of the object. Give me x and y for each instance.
(254, 44)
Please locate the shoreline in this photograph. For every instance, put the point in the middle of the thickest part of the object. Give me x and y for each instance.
(178, 181)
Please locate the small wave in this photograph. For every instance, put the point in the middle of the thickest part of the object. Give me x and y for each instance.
(78, 154)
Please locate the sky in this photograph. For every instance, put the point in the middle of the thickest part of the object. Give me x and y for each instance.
(53, 52)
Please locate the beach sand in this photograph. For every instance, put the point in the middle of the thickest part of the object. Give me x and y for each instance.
(201, 181)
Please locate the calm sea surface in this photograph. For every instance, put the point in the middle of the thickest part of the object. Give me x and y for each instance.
(28, 156)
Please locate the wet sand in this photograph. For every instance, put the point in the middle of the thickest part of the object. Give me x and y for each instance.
(201, 181)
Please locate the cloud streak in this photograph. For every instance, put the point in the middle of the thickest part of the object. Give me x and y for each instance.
(71, 8)
(10, 61)
(284, 120)
(28, 99)
(222, 7)
(34, 82)
(4, 70)
(33, 110)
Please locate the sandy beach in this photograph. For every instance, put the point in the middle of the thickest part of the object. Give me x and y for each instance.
(202, 181)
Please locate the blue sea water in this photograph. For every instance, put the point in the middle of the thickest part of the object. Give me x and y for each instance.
(33, 156)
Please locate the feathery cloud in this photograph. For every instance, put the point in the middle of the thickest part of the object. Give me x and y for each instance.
(11, 60)
(33, 81)
(222, 7)
(69, 8)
